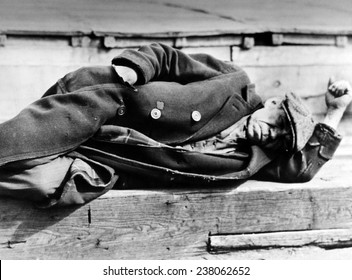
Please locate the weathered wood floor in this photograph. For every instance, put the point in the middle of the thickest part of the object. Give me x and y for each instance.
(192, 223)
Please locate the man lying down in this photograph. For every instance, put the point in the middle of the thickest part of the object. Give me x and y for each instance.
(161, 116)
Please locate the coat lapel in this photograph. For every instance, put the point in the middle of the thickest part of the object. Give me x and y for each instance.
(235, 108)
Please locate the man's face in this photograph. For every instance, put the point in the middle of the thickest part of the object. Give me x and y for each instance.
(269, 126)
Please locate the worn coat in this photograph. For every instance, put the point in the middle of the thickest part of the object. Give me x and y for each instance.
(86, 112)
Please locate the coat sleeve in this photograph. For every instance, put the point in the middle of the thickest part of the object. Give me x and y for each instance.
(164, 63)
(304, 164)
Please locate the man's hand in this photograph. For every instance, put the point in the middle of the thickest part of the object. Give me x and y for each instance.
(337, 98)
(339, 95)
(126, 73)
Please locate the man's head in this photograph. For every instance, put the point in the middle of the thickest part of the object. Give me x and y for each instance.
(283, 124)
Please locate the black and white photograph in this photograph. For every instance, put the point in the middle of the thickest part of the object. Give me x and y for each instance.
(191, 130)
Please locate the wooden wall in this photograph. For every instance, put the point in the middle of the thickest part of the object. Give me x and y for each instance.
(29, 65)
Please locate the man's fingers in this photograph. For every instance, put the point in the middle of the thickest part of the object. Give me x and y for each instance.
(340, 88)
(254, 132)
(340, 92)
(331, 81)
(332, 87)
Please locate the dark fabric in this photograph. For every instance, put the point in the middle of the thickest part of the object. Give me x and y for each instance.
(159, 62)
(300, 119)
(73, 110)
(164, 175)
(303, 165)
(171, 157)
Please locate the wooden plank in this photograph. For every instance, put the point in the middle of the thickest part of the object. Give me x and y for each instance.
(170, 17)
(303, 70)
(55, 52)
(274, 70)
(209, 41)
(332, 238)
(255, 206)
(47, 64)
(308, 39)
(283, 253)
(30, 84)
(138, 231)
(177, 41)
(174, 223)
(110, 18)
(223, 53)
(38, 51)
(134, 42)
(309, 82)
(266, 56)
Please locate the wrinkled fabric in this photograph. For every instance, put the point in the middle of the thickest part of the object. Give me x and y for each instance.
(303, 165)
(86, 181)
(157, 163)
(37, 180)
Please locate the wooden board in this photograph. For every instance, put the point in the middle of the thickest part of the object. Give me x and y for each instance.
(177, 41)
(333, 238)
(310, 252)
(175, 223)
(265, 56)
(304, 70)
(126, 18)
(174, 17)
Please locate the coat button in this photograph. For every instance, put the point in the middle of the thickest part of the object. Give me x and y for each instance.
(121, 111)
(196, 116)
(155, 114)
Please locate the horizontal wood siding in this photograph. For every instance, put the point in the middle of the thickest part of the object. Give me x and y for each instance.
(304, 70)
(30, 65)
